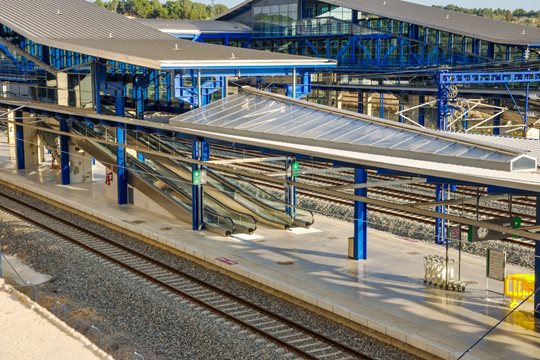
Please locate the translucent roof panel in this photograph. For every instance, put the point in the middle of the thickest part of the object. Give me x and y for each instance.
(268, 116)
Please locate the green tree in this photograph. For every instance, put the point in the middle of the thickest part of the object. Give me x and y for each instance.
(142, 8)
(220, 9)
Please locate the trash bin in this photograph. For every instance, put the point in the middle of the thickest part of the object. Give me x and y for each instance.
(351, 248)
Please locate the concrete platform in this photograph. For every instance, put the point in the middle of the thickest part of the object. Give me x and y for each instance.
(386, 293)
(29, 331)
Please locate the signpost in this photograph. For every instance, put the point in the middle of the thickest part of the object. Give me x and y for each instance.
(495, 268)
(477, 233)
(198, 177)
(454, 232)
(295, 169)
(496, 265)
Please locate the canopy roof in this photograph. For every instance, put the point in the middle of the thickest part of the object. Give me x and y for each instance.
(196, 27)
(83, 27)
(253, 113)
(522, 180)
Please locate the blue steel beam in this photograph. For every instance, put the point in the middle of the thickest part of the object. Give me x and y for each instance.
(440, 224)
(121, 164)
(200, 151)
(121, 156)
(290, 188)
(360, 217)
(64, 152)
(19, 140)
(453, 78)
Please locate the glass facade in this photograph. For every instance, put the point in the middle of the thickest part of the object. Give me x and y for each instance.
(274, 16)
(365, 40)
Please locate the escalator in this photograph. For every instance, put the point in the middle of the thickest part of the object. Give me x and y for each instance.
(237, 193)
(171, 193)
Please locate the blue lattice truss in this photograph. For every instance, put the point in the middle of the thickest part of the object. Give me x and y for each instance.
(124, 85)
(445, 79)
(380, 44)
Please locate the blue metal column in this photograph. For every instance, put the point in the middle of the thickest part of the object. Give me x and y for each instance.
(537, 263)
(290, 188)
(422, 111)
(169, 82)
(121, 157)
(121, 163)
(381, 105)
(401, 107)
(138, 95)
(440, 224)
(526, 112)
(442, 101)
(200, 151)
(64, 152)
(360, 217)
(19, 140)
(119, 103)
(360, 102)
(100, 78)
(497, 119)
(157, 83)
(224, 85)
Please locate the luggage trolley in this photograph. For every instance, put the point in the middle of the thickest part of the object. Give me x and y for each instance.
(435, 268)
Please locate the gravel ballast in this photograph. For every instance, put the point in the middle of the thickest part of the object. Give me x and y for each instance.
(137, 316)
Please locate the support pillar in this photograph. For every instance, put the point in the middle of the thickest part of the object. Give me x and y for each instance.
(19, 141)
(360, 217)
(138, 96)
(381, 105)
(64, 153)
(537, 264)
(290, 188)
(100, 79)
(360, 102)
(497, 119)
(422, 111)
(441, 192)
(401, 107)
(169, 82)
(121, 166)
(224, 87)
(200, 151)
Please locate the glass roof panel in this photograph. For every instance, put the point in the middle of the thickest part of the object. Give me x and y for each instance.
(247, 107)
(372, 138)
(311, 124)
(320, 131)
(304, 116)
(258, 113)
(216, 108)
(397, 138)
(453, 150)
(281, 119)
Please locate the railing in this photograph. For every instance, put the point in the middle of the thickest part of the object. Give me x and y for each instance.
(400, 52)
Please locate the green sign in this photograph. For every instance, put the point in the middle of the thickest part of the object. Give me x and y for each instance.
(196, 177)
(478, 233)
(295, 169)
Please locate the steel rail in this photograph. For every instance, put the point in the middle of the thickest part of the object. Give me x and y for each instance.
(29, 216)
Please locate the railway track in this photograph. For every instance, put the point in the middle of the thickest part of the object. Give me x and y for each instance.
(396, 194)
(276, 328)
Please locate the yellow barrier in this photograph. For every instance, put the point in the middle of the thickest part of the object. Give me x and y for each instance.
(518, 287)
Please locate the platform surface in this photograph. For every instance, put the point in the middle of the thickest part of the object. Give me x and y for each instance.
(385, 293)
(28, 331)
